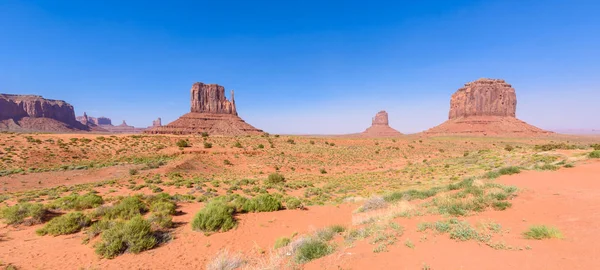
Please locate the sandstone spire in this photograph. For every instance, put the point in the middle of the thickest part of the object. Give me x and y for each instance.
(380, 127)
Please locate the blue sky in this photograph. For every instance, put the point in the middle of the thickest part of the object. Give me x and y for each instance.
(299, 67)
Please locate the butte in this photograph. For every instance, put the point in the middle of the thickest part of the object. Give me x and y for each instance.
(210, 112)
(485, 107)
(380, 127)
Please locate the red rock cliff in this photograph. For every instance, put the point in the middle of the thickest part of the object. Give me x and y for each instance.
(210, 98)
(19, 106)
(484, 97)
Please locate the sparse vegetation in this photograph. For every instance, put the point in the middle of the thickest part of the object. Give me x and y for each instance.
(214, 217)
(18, 213)
(65, 224)
(539, 232)
(132, 236)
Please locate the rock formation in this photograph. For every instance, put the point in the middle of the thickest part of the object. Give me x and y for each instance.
(484, 107)
(88, 120)
(210, 112)
(380, 127)
(35, 113)
(157, 123)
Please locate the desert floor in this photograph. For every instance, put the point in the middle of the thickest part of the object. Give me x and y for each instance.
(405, 203)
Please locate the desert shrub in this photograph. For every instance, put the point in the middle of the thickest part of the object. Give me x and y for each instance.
(501, 205)
(65, 224)
(275, 179)
(204, 134)
(227, 162)
(508, 147)
(411, 194)
(539, 232)
(509, 170)
(260, 146)
(293, 203)
(133, 171)
(161, 219)
(462, 231)
(183, 143)
(547, 167)
(166, 207)
(322, 171)
(207, 145)
(595, 146)
(77, 202)
(312, 142)
(133, 236)
(263, 203)
(291, 141)
(216, 216)
(127, 208)
(373, 203)
(237, 145)
(226, 261)
(554, 146)
(19, 212)
(595, 154)
(281, 242)
(312, 249)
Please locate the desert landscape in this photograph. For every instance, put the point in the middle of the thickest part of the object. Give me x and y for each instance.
(210, 191)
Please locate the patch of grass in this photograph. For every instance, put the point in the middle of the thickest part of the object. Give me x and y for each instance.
(594, 154)
(18, 213)
(263, 203)
(133, 236)
(373, 203)
(312, 249)
(275, 179)
(77, 202)
(322, 171)
(539, 232)
(216, 216)
(207, 145)
(183, 143)
(226, 261)
(65, 224)
(409, 244)
(282, 242)
(127, 208)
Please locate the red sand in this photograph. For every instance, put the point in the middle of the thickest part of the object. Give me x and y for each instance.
(568, 199)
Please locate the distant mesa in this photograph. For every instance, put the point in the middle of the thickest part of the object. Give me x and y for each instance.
(210, 112)
(380, 127)
(29, 113)
(104, 124)
(485, 107)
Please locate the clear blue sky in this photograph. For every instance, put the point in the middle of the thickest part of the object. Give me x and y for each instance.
(305, 66)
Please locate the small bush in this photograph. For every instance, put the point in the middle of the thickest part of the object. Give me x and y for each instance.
(65, 224)
(207, 145)
(204, 134)
(127, 208)
(508, 148)
(161, 219)
(282, 242)
(322, 171)
(509, 170)
(263, 203)
(293, 203)
(77, 202)
(214, 217)
(595, 146)
(183, 143)
(237, 145)
(312, 249)
(261, 146)
(226, 261)
(539, 232)
(275, 179)
(501, 205)
(133, 171)
(133, 236)
(166, 207)
(372, 204)
(595, 154)
(227, 162)
(291, 141)
(17, 213)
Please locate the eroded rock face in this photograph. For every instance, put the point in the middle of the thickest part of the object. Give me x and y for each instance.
(157, 123)
(210, 112)
(484, 97)
(17, 107)
(210, 98)
(381, 118)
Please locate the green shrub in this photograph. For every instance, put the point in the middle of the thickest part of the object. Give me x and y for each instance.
(322, 171)
(77, 202)
(65, 224)
(133, 171)
(183, 143)
(275, 179)
(282, 242)
(509, 170)
(540, 232)
(166, 207)
(312, 249)
(595, 154)
(19, 212)
(501, 205)
(207, 145)
(237, 145)
(127, 208)
(263, 203)
(161, 219)
(261, 146)
(204, 134)
(216, 216)
(227, 162)
(293, 203)
(133, 236)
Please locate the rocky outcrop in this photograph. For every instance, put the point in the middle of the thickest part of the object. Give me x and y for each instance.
(380, 127)
(18, 111)
(99, 121)
(210, 112)
(157, 123)
(484, 97)
(485, 107)
(210, 98)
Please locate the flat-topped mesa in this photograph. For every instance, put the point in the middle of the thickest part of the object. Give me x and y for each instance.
(210, 98)
(484, 97)
(381, 119)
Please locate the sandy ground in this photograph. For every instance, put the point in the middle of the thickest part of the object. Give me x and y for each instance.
(568, 199)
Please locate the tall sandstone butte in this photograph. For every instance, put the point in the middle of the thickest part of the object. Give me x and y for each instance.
(210, 112)
(35, 113)
(380, 127)
(485, 107)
